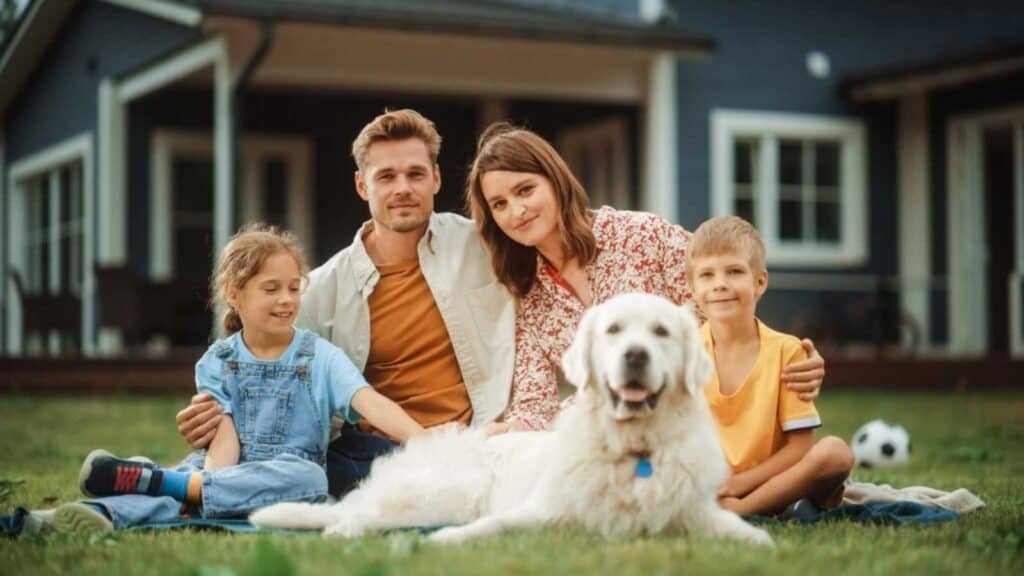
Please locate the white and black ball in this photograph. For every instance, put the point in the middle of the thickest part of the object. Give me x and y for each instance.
(881, 444)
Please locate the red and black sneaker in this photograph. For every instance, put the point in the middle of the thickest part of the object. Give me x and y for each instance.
(104, 474)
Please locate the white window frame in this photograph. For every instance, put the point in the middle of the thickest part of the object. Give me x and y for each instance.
(767, 128)
(44, 164)
(166, 144)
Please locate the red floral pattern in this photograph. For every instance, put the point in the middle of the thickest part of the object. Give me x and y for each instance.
(637, 252)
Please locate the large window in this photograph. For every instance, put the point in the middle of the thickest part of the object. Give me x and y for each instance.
(799, 179)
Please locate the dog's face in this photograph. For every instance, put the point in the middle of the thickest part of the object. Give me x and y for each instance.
(635, 348)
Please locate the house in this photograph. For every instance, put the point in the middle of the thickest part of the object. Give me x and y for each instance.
(877, 145)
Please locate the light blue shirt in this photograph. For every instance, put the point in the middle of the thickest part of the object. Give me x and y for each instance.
(334, 379)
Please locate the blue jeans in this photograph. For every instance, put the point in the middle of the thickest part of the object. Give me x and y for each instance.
(349, 458)
(234, 491)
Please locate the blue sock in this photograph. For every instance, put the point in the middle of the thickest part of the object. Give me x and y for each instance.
(174, 484)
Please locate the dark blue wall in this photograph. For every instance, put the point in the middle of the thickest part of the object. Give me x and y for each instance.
(60, 99)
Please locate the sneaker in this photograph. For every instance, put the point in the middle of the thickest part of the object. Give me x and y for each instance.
(802, 510)
(80, 518)
(39, 521)
(104, 474)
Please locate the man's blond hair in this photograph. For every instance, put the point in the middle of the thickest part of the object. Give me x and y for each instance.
(724, 235)
(396, 125)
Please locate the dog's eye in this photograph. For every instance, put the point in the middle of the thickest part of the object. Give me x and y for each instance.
(660, 330)
(613, 329)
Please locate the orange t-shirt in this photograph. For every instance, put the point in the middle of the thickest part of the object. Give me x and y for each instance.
(752, 421)
(411, 359)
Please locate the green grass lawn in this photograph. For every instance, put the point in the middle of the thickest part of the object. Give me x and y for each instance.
(971, 440)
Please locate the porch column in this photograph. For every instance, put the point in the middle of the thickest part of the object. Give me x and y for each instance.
(110, 197)
(224, 154)
(914, 220)
(661, 163)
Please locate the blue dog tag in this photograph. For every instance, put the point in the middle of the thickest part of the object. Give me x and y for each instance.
(644, 468)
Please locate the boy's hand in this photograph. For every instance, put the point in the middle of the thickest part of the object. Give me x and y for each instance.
(496, 428)
(197, 422)
(806, 376)
(736, 486)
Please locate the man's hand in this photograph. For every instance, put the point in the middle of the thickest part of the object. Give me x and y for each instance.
(496, 428)
(806, 377)
(197, 423)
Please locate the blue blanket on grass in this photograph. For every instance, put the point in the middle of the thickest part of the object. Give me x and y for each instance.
(888, 513)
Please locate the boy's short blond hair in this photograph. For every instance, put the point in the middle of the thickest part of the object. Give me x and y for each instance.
(726, 234)
(396, 125)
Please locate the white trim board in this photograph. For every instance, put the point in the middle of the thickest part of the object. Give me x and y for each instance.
(968, 301)
(914, 212)
(768, 127)
(173, 11)
(76, 148)
(660, 137)
(168, 143)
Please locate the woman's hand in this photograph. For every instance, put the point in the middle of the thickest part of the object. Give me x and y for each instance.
(806, 376)
(197, 423)
(496, 428)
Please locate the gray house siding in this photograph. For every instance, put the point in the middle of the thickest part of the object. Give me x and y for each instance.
(99, 40)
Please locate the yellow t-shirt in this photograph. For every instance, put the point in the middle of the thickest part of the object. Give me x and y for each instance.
(411, 359)
(752, 421)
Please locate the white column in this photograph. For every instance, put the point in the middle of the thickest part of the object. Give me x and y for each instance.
(914, 221)
(112, 169)
(223, 160)
(661, 161)
(1017, 275)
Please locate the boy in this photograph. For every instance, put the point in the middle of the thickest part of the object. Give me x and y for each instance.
(766, 430)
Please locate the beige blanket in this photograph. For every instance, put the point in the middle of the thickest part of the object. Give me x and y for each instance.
(960, 500)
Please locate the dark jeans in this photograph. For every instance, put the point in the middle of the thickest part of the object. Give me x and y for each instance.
(350, 456)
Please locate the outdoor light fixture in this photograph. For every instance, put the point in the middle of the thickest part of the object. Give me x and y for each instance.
(818, 65)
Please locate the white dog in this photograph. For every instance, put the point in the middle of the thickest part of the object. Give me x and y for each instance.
(637, 452)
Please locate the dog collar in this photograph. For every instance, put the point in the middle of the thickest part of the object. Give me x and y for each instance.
(644, 468)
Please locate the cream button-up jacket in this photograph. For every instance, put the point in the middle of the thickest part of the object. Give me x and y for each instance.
(477, 310)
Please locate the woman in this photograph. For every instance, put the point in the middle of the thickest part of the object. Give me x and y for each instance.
(558, 257)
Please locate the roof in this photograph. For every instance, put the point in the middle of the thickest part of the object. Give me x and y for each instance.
(43, 20)
(945, 70)
(504, 18)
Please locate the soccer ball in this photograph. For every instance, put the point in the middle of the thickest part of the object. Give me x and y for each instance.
(881, 444)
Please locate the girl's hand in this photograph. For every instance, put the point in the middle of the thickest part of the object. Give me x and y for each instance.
(197, 422)
(806, 376)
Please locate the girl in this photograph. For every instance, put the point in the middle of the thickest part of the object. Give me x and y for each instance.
(558, 257)
(278, 388)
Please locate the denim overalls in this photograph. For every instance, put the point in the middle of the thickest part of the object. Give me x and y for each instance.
(282, 453)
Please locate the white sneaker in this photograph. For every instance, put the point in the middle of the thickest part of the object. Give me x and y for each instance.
(80, 518)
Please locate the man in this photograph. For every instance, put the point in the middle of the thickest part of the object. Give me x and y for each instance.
(412, 300)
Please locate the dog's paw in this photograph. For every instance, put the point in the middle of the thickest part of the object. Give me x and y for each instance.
(754, 535)
(449, 535)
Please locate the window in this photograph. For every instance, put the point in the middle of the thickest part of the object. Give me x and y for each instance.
(799, 179)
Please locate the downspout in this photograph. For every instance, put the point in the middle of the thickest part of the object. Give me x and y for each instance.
(266, 39)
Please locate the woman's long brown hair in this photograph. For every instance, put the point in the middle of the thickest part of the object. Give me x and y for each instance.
(503, 146)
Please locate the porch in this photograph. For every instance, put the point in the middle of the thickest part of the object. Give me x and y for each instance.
(255, 120)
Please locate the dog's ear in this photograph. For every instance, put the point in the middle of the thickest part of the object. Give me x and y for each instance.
(576, 363)
(697, 364)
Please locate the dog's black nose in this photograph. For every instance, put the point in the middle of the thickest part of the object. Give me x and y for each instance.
(637, 357)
